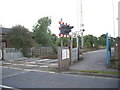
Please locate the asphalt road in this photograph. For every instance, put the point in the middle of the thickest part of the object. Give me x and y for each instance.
(34, 79)
(93, 60)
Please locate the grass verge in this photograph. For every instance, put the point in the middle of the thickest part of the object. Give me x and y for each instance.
(103, 72)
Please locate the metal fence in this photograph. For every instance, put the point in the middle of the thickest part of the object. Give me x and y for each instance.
(74, 54)
(12, 54)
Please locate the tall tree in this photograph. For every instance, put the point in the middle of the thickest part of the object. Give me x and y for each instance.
(90, 41)
(102, 40)
(20, 37)
(42, 32)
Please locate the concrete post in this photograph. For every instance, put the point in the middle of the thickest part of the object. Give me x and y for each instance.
(119, 19)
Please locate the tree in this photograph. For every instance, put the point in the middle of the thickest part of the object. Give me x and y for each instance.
(42, 32)
(102, 40)
(58, 42)
(87, 44)
(53, 41)
(54, 38)
(90, 41)
(20, 37)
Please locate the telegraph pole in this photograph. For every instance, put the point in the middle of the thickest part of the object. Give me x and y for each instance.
(113, 18)
(118, 19)
(82, 44)
(81, 26)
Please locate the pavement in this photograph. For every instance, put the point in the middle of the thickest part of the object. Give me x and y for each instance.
(93, 61)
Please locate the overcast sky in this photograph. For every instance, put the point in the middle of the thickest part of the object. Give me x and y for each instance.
(97, 14)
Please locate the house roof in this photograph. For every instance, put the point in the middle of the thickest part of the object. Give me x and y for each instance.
(4, 31)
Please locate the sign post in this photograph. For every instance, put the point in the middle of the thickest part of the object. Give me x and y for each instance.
(108, 49)
(107, 54)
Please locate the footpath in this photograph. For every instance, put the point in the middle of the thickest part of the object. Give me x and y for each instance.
(93, 64)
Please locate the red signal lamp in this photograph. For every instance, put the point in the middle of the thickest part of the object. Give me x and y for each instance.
(59, 22)
(59, 34)
(59, 28)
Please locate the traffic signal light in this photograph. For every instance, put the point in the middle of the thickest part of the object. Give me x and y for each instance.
(64, 29)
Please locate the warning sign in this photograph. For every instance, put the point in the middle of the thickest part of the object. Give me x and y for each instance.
(65, 53)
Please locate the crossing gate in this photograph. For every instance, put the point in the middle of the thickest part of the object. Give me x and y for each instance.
(63, 58)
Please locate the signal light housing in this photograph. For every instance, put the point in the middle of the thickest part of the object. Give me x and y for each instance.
(65, 29)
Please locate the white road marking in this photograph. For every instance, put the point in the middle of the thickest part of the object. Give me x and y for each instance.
(28, 70)
(3, 86)
(38, 71)
(43, 60)
(30, 62)
(43, 66)
(6, 63)
(31, 65)
(17, 64)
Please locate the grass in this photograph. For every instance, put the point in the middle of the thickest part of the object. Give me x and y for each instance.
(94, 49)
(102, 47)
(103, 72)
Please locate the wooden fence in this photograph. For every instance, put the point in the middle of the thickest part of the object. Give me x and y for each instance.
(42, 51)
